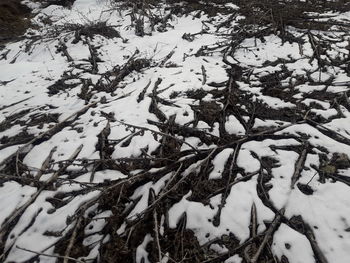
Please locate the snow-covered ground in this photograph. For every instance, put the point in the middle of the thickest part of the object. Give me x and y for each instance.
(196, 139)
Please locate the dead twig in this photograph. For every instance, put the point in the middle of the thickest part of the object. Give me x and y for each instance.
(159, 133)
(55, 256)
(299, 166)
(8, 223)
(72, 240)
(45, 164)
(267, 235)
(156, 227)
(204, 73)
(47, 133)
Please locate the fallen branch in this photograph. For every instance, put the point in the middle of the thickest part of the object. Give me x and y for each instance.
(267, 235)
(299, 166)
(159, 133)
(72, 240)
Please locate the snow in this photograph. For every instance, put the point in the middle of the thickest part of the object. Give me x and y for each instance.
(234, 215)
(234, 259)
(233, 126)
(141, 253)
(293, 245)
(219, 163)
(327, 213)
(129, 148)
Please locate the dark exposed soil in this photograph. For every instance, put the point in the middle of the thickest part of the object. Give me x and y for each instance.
(13, 19)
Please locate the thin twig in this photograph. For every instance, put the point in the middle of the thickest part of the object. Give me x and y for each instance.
(72, 240)
(54, 256)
